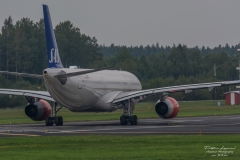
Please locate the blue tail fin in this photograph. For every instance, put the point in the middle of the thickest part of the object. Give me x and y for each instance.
(54, 60)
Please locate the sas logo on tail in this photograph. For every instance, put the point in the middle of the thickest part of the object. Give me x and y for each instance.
(54, 56)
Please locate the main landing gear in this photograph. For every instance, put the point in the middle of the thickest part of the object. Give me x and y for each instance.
(54, 119)
(124, 120)
(127, 116)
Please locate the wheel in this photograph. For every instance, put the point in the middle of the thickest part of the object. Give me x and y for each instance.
(58, 121)
(132, 120)
(48, 121)
(125, 120)
(122, 119)
(136, 119)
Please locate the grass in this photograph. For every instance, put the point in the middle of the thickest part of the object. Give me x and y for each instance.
(166, 147)
(142, 110)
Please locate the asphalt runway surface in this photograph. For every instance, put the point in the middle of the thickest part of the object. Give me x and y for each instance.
(178, 126)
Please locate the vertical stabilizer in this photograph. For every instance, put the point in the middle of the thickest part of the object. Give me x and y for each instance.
(54, 60)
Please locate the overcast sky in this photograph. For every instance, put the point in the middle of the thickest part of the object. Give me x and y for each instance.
(140, 22)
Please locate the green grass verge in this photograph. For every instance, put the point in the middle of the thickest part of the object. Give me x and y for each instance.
(142, 110)
(82, 147)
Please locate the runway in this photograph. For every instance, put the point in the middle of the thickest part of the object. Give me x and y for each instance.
(191, 125)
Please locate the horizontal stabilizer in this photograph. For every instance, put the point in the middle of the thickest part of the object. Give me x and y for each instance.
(81, 72)
(22, 74)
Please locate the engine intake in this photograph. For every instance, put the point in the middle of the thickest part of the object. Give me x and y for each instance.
(38, 111)
(168, 108)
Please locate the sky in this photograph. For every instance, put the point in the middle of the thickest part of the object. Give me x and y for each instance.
(139, 22)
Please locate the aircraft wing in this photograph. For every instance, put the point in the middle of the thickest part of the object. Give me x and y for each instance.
(28, 93)
(171, 89)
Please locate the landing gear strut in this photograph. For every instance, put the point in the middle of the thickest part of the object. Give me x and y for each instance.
(54, 119)
(127, 116)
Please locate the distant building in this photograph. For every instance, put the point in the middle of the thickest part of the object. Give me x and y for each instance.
(232, 97)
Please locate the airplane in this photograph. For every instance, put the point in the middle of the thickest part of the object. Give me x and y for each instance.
(93, 90)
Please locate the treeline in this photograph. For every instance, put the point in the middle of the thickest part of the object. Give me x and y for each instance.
(154, 49)
(182, 65)
(23, 49)
(23, 46)
(179, 62)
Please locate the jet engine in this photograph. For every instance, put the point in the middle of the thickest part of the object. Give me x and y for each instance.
(39, 110)
(168, 108)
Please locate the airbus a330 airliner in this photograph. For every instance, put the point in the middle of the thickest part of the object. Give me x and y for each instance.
(93, 90)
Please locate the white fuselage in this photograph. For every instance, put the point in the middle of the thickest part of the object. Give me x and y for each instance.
(89, 92)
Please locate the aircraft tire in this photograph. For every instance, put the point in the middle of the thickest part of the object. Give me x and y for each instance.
(48, 121)
(59, 121)
(136, 119)
(132, 120)
(122, 120)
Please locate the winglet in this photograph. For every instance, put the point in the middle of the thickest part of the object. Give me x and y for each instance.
(54, 60)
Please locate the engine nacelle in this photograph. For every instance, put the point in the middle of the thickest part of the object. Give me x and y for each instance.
(168, 108)
(39, 110)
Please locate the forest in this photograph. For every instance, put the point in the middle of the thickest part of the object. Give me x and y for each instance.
(23, 49)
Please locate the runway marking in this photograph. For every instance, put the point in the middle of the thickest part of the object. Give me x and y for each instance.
(153, 132)
(231, 124)
(16, 134)
(176, 119)
(106, 129)
(234, 118)
(187, 120)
